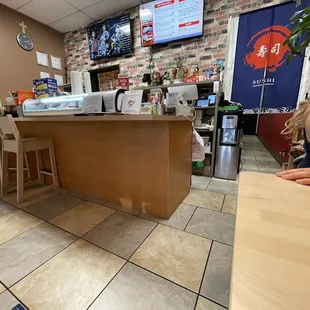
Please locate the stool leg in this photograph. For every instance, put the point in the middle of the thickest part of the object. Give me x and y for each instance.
(27, 165)
(4, 174)
(40, 167)
(20, 174)
(54, 165)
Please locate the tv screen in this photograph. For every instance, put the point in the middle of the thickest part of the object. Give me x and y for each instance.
(164, 21)
(111, 37)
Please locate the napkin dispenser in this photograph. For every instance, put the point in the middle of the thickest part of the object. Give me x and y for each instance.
(113, 100)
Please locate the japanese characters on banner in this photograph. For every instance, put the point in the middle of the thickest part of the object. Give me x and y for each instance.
(260, 45)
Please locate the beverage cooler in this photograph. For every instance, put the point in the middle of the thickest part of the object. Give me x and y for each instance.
(228, 144)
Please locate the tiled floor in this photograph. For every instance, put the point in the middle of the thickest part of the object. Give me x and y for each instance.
(63, 252)
(255, 157)
(66, 251)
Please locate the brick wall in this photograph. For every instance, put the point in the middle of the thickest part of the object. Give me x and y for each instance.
(203, 51)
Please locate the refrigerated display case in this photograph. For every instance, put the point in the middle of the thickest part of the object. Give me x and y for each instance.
(54, 106)
(70, 105)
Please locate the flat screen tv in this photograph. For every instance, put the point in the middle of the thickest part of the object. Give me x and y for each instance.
(164, 21)
(111, 37)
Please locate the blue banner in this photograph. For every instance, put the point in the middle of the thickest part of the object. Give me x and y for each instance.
(260, 44)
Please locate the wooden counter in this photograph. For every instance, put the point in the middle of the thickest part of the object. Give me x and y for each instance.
(271, 266)
(138, 161)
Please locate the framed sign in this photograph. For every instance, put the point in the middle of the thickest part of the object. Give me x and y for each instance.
(56, 62)
(59, 79)
(42, 59)
(132, 102)
(44, 75)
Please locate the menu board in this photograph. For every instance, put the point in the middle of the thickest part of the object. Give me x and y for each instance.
(164, 21)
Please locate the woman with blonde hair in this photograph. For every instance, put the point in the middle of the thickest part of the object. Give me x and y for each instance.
(300, 120)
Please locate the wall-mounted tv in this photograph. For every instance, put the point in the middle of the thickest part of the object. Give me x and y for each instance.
(163, 21)
(111, 37)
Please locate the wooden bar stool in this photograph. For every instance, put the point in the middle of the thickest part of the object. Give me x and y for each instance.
(12, 142)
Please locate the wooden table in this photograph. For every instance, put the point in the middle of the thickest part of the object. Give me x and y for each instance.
(271, 266)
(138, 161)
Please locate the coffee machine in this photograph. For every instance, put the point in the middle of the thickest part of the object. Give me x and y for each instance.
(229, 144)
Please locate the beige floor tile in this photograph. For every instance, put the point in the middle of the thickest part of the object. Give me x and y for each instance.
(174, 255)
(205, 199)
(217, 277)
(200, 182)
(213, 225)
(15, 224)
(227, 188)
(71, 280)
(251, 161)
(269, 170)
(230, 204)
(53, 206)
(82, 218)
(121, 233)
(269, 158)
(6, 209)
(2, 288)
(135, 289)
(11, 198)
(205, 304)
(179, 219)
(245, 157)
(87, 198)
(8, 301)
(121, 208)
(275, 165)
(26, 252)
(263, 163)
(250, 167)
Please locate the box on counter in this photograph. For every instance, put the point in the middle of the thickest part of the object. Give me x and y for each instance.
(43, 84)
(45, 93)
(21, 95)
(45, 88)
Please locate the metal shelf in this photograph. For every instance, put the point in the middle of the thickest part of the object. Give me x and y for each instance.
(204, 108)
(203, 130)
(207, 83)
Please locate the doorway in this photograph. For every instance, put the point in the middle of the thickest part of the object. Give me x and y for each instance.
(263, 83)
(104, 79)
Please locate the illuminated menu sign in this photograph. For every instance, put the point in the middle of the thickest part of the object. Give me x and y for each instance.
(164, 21)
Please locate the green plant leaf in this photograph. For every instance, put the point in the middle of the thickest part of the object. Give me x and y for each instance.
(299, 38)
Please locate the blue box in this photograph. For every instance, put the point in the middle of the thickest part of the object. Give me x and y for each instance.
(45, 88)
(40, 94)
(44, 84)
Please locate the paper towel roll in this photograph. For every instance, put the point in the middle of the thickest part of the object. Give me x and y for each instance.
(87, 83)
(77, 83)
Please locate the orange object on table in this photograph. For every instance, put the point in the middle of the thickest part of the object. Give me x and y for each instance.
(23, 95)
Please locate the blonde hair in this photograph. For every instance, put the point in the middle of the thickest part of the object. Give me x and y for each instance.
(297, 122)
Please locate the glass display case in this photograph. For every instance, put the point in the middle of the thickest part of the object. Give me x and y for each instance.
(54, 106)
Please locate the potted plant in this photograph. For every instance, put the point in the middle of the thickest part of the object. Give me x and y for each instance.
(299, 38)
